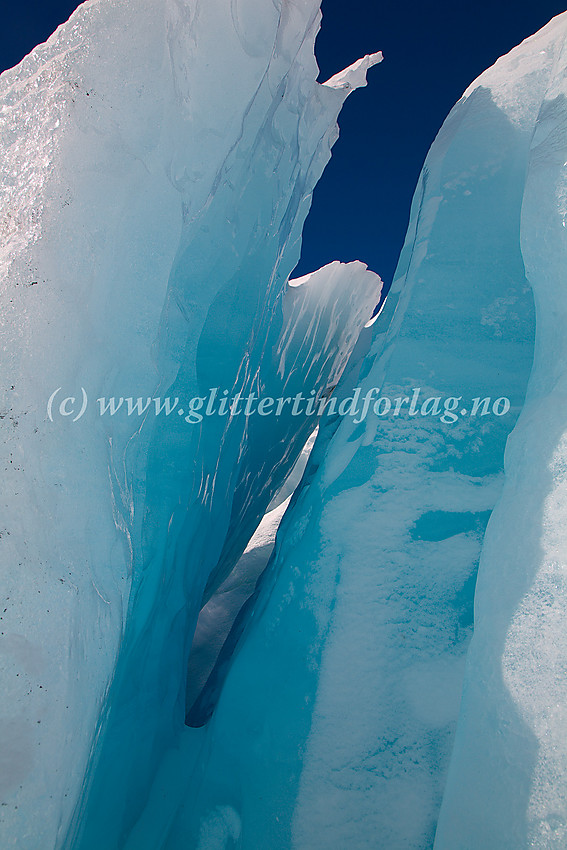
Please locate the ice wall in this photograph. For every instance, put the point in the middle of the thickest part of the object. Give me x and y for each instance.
(397, 511)
(363, 619)
(507, 785)
(342, 679)
(159, 160)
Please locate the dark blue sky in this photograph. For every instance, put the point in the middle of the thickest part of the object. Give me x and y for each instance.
(432, 51)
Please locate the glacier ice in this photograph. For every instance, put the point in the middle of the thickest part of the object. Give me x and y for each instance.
(507, 783)
(151, 218)
(245, 632)
(400, 508)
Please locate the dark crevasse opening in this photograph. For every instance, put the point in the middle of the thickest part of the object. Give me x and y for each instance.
(223, 617)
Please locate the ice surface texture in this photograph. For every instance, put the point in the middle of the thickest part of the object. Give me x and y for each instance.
(397, 510)
(159, 159)
(507, 783)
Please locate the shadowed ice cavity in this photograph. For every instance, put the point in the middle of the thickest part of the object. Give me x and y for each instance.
(342, 677)
(219, 613)
(336, 693)
(229, 321)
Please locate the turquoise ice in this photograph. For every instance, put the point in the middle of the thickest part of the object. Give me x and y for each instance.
(206, 646)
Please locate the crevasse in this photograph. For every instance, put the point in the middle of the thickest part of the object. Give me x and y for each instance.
(393, 671)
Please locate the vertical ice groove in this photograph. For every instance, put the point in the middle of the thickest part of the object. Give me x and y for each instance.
(152, 216)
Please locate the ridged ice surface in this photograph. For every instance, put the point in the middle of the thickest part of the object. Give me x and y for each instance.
(158, 163)
(398, 509)
(508, 779)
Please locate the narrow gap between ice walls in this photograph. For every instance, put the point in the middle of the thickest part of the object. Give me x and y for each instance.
(225, 324)
(368, 502)
(219, 613)
(324, 314)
